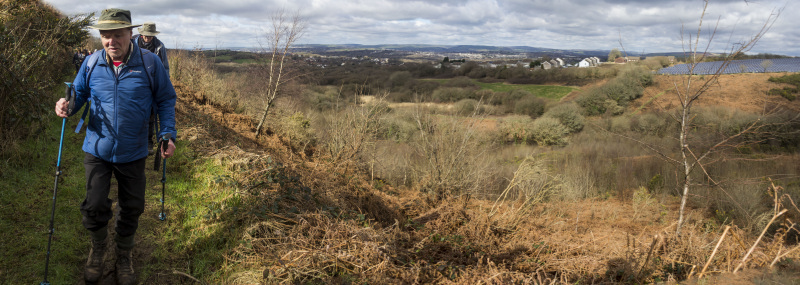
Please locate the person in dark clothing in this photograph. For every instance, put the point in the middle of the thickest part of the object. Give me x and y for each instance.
(146, 39)
(77, 59)
(122, 94)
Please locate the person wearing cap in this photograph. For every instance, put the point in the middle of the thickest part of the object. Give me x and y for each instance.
(146, 39)
(121, 94)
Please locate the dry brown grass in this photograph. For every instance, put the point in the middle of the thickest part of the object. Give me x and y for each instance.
(327, 223)
(746, 92)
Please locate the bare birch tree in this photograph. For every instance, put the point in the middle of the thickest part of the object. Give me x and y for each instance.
(286, 30)
(694, 154)
(691, 88)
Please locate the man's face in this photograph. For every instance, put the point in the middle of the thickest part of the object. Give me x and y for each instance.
(147, 39)
(116, 42)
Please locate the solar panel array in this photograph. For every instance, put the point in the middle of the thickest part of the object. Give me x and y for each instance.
(736, 66)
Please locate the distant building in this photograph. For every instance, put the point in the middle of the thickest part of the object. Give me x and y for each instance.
(588, 62)
(626, 59)
(547, 65)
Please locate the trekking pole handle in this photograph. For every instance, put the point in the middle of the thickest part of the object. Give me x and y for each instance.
(70, 97)
(165, 141)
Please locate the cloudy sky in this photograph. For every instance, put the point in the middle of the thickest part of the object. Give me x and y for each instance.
(642, 25)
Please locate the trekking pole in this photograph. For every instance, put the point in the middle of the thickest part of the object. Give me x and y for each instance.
(70, 102)
(163, 144)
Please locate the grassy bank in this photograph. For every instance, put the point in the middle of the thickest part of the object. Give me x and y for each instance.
(190, 241)
(26, 180)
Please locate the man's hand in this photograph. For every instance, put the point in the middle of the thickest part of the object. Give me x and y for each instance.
(62, 106)
(166, 153)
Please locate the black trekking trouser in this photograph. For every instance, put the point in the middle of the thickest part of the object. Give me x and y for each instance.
(131, 182)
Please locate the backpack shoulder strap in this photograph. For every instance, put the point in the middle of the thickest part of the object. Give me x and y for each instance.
(91, 62)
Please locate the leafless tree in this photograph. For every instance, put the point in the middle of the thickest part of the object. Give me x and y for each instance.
(696, 154)
(766, 64)
(286, 30)
(691, 88)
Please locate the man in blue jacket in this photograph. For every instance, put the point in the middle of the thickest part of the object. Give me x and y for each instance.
(120, 93)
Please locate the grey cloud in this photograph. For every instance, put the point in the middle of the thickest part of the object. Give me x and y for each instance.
(583, 24)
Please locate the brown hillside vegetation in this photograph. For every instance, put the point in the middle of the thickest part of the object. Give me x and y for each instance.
(746, 92)
(322, 222)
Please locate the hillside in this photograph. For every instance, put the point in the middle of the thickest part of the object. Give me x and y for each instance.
(247, 210)
(746, 92)
(360, 229)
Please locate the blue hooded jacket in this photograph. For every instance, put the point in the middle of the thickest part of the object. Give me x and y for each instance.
(120, 106)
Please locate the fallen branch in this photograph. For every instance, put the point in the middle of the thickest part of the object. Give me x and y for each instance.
(779, 256)
(188, 276)
(656, 239)
(757, 241)
(721, 238)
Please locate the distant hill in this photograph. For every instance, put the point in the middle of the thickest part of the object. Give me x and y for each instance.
(533, 51)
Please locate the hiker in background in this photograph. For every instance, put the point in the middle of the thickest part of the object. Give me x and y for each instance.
(146, 39)
(77, 59)
(122, 90)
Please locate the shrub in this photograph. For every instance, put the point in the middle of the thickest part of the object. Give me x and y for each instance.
(549, 131)
(452, 94)
(578, 183)
(613, 108)
(649, 124)
(722, 120)
(197, 74)
(620, 124)
(345, 132)
(593, 102)
(787, 92)
(35, 51)
(397, 126)
(741, 204)
(449, 157)
(531, 105)
(569, 115)
(461, 82)
(297, 128)
(421, 88)
(626, 87)
(467, 107)
(515, 129)
(398, 79)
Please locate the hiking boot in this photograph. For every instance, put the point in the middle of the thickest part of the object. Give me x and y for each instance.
(124, 267)
(94, 265)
